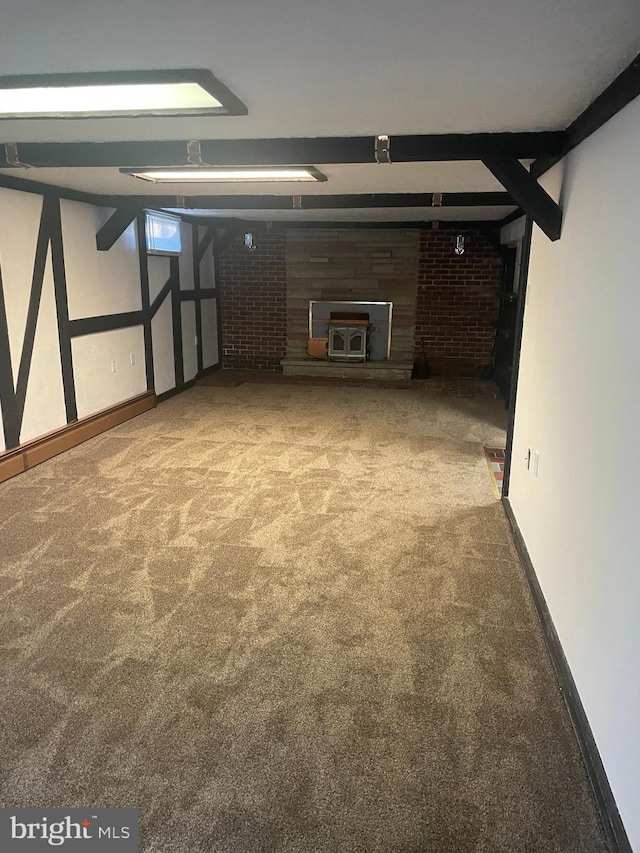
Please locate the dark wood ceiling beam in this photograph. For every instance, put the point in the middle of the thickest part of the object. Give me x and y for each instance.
(299, 151)
(624, 89)
(329, 202)
(528, 193)
(115, 227)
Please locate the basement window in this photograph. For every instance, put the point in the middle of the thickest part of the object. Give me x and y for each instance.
(163, 233)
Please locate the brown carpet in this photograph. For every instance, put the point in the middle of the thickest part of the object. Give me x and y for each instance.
(284, 618)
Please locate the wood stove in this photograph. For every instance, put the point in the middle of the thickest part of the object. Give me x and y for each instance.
(348, 336)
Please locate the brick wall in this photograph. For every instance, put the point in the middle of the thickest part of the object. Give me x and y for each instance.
(362, 265)
(456, 304)
(253, 291)
(455, 309)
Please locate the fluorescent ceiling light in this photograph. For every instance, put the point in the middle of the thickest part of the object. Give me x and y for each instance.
(122, 93)
(233, 175)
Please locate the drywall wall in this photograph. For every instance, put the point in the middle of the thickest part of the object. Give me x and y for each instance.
(106, 367)
(104, 374)
(209, 333)
(578, 406)
(98, 282)
(44, 409)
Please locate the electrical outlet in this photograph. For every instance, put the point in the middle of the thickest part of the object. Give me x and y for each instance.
(132, 358)
(113, 365)
(536, 463)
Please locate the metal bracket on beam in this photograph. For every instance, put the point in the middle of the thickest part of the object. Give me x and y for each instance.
(194, 153)
(527, 193)
(383, 149)
(297, 202)
(11, 156)
(436, 201)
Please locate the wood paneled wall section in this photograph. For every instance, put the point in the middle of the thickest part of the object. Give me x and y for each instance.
(374, 265)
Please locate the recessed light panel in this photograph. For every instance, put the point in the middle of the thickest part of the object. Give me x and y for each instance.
(100, 95)
(233, 175)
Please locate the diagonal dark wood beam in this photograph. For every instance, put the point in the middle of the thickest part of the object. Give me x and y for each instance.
(200, 248)
(8, 401)
(527, 193)
(162, 295)
(35, 296)
(115, 226)
(293, 151)
(624, 89)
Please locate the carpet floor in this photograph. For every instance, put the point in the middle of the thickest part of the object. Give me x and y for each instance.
(286, 619)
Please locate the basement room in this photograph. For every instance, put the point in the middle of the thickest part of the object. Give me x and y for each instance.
(318, 355)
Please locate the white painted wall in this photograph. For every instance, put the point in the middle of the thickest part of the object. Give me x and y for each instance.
(164, 370)
(189, 349)
(19, 226)
(44, 408)
(158, 266)
(98, 386)
(579, 407)
(210, 354)
(98, 282)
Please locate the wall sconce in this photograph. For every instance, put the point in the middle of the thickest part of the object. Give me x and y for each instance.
(249, 242)
(459, 247)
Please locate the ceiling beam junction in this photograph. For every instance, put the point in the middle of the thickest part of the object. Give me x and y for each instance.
(528, 193)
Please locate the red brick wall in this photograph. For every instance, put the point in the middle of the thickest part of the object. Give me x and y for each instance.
(455, 311)
(253, 296)
(457, 301)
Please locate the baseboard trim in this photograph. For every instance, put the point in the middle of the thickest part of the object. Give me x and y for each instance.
(609, 814)
(167, 395)
(40, 449)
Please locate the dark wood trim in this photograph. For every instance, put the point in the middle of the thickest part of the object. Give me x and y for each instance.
(114, 227)
(172, 392)
(453, 225)
(203, 245)
(523, 279)
(291, 151)
(162, 295)
(35, 297)
(46, 446)
(25, 185)
(624, 89)
(8, 401)
(217, 280)
(176, 312)
(517, 214)
(62, 310)
(609, 814)
(207, 371)
(331, 202)
(143, 260)
(528, 193)
(105, 323)
(492, 236)
(195, 246)
(198, 295)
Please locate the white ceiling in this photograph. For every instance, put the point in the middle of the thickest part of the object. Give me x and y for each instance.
(330, 68)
